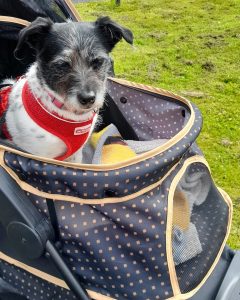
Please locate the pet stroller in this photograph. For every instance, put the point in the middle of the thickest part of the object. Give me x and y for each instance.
(153, 226)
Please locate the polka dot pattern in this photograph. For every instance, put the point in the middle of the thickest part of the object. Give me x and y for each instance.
(32, 287)
(119, 249)
(89, 184)
(152, 116)
(40, 203)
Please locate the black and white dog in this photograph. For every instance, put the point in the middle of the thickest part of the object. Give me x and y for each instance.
(52, 109)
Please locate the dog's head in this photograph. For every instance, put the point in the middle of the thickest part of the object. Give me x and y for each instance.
(73, 58)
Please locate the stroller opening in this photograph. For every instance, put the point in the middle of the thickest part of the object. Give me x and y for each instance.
(141, 218)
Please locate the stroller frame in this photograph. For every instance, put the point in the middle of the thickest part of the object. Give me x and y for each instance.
(32, 235)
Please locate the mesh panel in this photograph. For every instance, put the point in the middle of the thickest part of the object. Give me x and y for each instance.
(200, 220)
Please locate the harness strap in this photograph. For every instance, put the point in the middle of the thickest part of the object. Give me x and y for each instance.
(74, 134)
(5, 90)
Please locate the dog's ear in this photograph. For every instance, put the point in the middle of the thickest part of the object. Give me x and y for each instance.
(113, 32)
(34, 34)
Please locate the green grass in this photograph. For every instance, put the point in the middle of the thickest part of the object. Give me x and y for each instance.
(189, 46)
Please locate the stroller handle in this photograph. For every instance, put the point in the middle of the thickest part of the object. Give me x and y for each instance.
(68, 276)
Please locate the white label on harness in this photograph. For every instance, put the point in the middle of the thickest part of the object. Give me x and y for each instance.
(82, 130)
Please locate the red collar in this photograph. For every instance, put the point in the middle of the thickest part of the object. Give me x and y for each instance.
(74, 134)
(55, 101)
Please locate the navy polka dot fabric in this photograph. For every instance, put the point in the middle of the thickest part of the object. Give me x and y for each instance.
(114, 226)
(119, 248)
(32, 287)
(152, 116)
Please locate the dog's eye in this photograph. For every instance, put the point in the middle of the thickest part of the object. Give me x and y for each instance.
(62, 64)
(97, 63)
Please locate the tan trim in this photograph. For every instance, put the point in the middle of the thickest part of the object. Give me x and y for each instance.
(14, 20)
(27, 187)
(149, 88)
(45, 276)
(134, 160)
(173, 276)
(34, 271)
(73, 9)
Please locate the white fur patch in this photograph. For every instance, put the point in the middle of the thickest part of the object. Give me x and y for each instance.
(9, 81)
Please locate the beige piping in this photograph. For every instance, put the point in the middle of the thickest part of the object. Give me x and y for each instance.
(27, 187)
(138, 158)
(47, 277)
(172, 272)
(73, 9)
(149, 88)
(14, 20)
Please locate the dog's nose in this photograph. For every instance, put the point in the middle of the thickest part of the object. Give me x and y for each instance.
(86, 97)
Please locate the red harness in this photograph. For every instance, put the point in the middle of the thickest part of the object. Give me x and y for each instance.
(74, 134)
(4, 94)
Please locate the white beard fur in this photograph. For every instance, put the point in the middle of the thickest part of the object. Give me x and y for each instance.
(25, 133)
